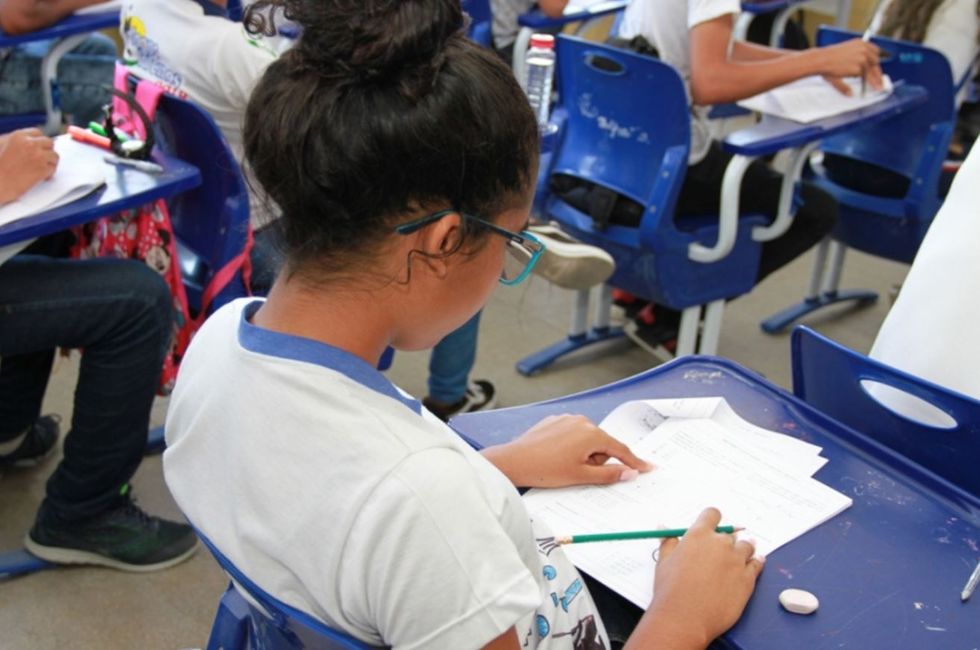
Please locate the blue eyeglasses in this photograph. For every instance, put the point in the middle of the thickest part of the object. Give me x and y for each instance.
(524, 248)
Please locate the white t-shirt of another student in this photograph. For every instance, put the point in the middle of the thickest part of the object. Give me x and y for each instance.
(208, 60)
(340, 495)
(666, 24)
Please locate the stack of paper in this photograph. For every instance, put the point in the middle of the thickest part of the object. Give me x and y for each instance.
(81, 170)
(813, 98)
(706, 455)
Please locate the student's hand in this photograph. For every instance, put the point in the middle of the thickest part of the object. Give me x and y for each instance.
(27, 157)
(704, 581)
(565, 450)
(853, 58)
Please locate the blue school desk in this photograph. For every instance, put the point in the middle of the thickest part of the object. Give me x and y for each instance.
(69, 32)
(888, 571)
(125, 188)
(772, 135)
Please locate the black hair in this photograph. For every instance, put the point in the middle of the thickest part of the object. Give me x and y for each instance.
(383, 107)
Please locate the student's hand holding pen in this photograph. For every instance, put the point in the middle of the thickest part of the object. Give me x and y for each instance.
(853, 58)
(704, 581)
(563, 450)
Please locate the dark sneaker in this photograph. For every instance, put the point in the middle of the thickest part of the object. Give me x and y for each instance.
(480, 394)
(655, 328)
(124, 538)
(36, 444)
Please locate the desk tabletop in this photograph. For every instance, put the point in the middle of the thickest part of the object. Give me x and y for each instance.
(888, 571)
(125, 188)
(74, 24)
(768, 6)
(772, 134)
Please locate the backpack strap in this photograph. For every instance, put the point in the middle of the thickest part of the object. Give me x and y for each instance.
(240, 263)
(147, 95)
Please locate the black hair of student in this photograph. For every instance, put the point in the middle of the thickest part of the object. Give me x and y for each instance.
(382, 107)
(909, 19)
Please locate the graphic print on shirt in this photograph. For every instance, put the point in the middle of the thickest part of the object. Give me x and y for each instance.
(585, 635)
(144, 53)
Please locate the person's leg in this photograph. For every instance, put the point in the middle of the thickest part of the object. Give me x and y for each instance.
(119, 312)
(82, 79)
(452, 359)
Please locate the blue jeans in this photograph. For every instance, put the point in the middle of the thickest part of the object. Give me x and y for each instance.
(119, 313)
(83, 76)
(451, 362)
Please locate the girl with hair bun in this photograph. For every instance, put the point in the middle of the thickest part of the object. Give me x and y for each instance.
(403, 157)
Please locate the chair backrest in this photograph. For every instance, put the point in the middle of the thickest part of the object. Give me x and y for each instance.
(626, 114)
(480, 21)
(211, 221)
(880, 144)
(240, 624)
(835, 380)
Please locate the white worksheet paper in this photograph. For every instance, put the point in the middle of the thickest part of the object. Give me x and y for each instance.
(700, 463)
(812, 98)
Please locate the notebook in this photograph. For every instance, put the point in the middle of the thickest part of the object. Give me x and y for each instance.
(81, 171)
(706, 455)
(813, 98)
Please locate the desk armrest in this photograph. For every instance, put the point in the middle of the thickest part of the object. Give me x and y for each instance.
(731, 187)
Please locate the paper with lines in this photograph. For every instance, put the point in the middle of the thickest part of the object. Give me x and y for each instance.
(706, 455)
(813, 98)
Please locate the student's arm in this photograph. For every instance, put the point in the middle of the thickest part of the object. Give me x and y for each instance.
(23, 16)
(565, 450)
(552, 8)
(718, 79)
(27, 157)
(745, 51)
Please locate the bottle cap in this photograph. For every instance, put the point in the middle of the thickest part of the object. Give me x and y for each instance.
(545, 41)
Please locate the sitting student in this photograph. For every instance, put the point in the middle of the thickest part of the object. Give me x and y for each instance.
(950, 26)
(505, 15)
(362, 508)
(83, 74)
(930, 332)
(119, 312)
(695, 37)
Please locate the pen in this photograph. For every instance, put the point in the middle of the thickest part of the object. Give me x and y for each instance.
(141, 165)
(971, 584)
(79, 134)
(866, 36)
(636, 534)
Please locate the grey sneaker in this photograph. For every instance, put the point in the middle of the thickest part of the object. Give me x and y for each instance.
(568, 263)
(123, 538)
(36, 444)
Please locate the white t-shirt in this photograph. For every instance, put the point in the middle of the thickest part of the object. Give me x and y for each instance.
(931, 331)
(953, 31)
(666, 24)
(505, 14)
(207, 59)
(338, 494)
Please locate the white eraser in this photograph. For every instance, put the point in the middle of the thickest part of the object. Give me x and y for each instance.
(798, 601)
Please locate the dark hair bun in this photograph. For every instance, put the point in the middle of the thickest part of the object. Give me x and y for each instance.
(365, 41)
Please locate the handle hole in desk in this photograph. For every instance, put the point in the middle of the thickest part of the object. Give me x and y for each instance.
(908, 406)
(605, 64)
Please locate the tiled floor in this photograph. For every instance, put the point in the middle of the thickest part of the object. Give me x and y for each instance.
(83, 608)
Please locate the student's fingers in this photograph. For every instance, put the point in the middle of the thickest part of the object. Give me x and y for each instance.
(745, 549)
(876, 78)
(43, 142)
(667, 547)
(707, 521)
(755, 566)
(839, 84)
(31, 132)
(607, 474)
(622, 453)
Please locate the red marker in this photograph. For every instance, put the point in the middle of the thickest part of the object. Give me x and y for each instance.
(83, 135)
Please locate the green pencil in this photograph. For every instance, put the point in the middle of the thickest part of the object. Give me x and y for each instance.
(636, 534)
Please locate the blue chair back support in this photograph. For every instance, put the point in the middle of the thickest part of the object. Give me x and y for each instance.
(211, 222)
(272, 625)
(480, 21)
(828, 376)
(911, 146)
(626, 127)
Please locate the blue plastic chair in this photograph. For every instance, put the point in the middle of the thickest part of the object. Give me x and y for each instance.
(264, 622)
(910, 147)
(829, 377)
(210, 222)
(480, 21)
(627, 128)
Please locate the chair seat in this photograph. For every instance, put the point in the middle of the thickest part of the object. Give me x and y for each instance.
(666, 275)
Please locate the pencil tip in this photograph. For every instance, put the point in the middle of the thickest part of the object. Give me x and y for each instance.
(738, 529)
